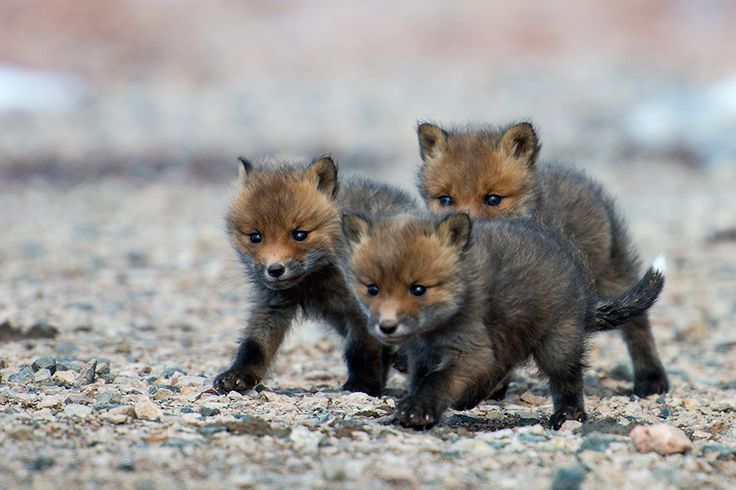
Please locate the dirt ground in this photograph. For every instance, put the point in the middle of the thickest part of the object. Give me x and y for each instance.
(120, 299)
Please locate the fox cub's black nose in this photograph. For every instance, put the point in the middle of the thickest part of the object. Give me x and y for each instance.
(276, 270)
(388, 326)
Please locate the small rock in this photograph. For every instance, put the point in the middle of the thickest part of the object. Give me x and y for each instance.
(474, 446)
(722, 406)
(42, 376)
(23, 376)
(145, 409)
(234, 395)
(169, 372)
(532, 399)
(570, 478)
(596, 441)
(44, 363)
(87, 374)
(209, 411)
(660, 438)
(719, 451)
(64, 378)
(107, 397)
(119, 415)
(304, 439)
(103, 367)
(163, 394)
(569, 426)
(41, 463)
(49, 402)
(665, 413)
(189, 380)
(76, 410)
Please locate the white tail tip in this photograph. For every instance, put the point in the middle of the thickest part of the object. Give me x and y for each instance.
(660, 264)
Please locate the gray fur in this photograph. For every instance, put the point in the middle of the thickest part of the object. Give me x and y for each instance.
(523, 292)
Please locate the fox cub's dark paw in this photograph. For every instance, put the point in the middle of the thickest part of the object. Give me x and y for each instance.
(234, 380)
(559, 417)
(651, 383)
(373, 388)
(417, 413)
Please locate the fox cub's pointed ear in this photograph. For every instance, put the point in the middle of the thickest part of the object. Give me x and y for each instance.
(454, 229)
(520, 142)
(355, 227)
(432, 141)
(324, 172)
(244, 169)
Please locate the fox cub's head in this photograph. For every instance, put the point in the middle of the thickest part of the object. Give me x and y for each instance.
(284, 221)
(407, 271)
(485, 172)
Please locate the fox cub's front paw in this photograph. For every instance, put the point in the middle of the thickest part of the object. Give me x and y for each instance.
(234, 380)
(417, 413)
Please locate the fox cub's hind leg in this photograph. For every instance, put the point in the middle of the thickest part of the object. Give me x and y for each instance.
(264, 334)
(649, 374)
(562, 361)
(499, 392)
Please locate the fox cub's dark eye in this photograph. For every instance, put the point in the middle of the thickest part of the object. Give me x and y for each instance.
(256, 237)
(418, 289)
(492, 199)
(299, 235)
(372, 289)
(445, 201)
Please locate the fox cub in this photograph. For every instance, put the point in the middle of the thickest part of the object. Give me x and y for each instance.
(284, 225)
(490, 173)
(467, 309)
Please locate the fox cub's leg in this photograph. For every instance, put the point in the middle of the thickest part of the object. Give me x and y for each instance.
(460, 385)
(499, 392)
(649, 374)
(561, 359)
(368, 361)
(266, 329)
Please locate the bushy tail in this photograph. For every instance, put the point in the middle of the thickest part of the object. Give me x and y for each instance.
(612, 312)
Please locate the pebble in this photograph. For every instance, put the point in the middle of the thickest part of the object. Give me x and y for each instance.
(87, 374)
(44, 363)
(76, 410)
(145, 409)
(660, 438)
(533, 399)
(596, 441)
(209, 411)
(119, 415)
(42, 376)
(23, 376)
(50, 402)
(304, 439)
(163, 394)
(64, 378)
(107, 397)
(569, 426)
(570, 478)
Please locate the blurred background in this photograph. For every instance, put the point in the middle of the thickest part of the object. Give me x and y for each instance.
(144, 87)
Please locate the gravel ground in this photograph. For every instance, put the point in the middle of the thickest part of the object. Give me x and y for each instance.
(135, 304)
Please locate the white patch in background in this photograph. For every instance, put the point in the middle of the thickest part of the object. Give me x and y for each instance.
(26, 90)
(701, 119)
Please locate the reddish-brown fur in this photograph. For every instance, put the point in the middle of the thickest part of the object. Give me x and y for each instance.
(492, 172)
(469, 166)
